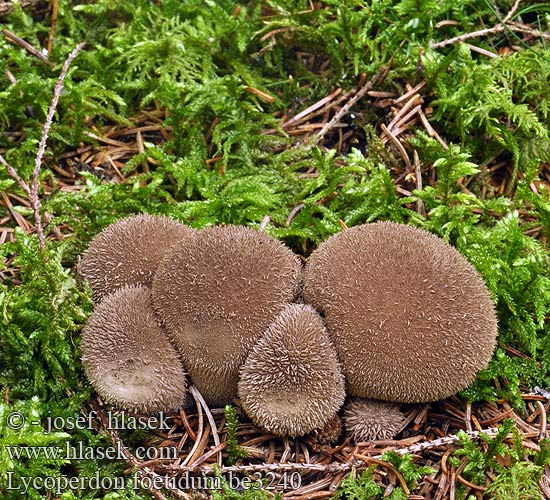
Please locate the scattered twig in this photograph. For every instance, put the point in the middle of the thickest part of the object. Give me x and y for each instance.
(543, 392)
(395, 472)
(379, 77)
(479, 50)
(418, 174)
(288, 466)
(19, 219)
(200, 400)
(505, 25)
(468, 417)
(13, 38)
(444, 441)
(319, 104)
(199, 434)
(14, 175)
(142, 472)
(522, 28)
(411, 92)
(543, 419)
(467, 36)
(264, 96)
(400, 115)
(293, 213)
(511, 12)
(265, 222)
(32, 190)
(399, 146)
(6, 7)
(51, 35)
(35, 200)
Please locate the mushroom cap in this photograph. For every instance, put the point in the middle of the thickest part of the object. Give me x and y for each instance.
(291, 382)
(127, 356)
(411, 319)
(128, 252)
(369, 420)
(216, 294)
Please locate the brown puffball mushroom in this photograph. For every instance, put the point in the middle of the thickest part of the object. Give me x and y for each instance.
(369, 420)
(328, 434)
(291, 382)
(128, 252)
(411, 319)
(216, 294)
(127, 356)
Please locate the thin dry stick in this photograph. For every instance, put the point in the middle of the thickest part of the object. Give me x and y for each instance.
(349, 104)
(35, 200)
(7, 7)
(522, 28)
(504, 25)
(479, 50)
(207, 469)
(312, 108)
(198, 398)
(32, 191)
(468, 417)
(467, 36)
(390, 467)
(410, 92)
(142, 472)
(335, 467)
(418, 174)
(13, 38)
(405, 121)
(499, 27)
(52, 26)
(399, 146)
(293, 212)
(542, 420)
(199, 435)
(444, 441)
(14, 175)
(399, 116)
(265, 222)
(511, 12)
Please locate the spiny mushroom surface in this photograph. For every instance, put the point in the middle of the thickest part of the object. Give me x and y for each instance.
(128, 252)
(291, 382)
(410, 317)
(369, 420)
(216, 294)
(329, 433)
(127, 356)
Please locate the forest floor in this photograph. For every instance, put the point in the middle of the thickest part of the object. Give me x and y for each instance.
(303, 118)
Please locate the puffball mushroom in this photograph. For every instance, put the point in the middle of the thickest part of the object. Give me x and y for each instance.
(129, 251)
(291, 382)
(216, 293)
(127, 356)
(369, 420)
(328, 434)
(411, 319)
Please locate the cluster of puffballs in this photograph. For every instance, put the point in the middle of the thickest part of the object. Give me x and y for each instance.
(382, 314)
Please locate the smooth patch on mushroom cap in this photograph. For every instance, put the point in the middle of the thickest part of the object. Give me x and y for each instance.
(410, 317)
(369, 420)
(128, 252)
(127, 356)
(291, 382)
(216, 294)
